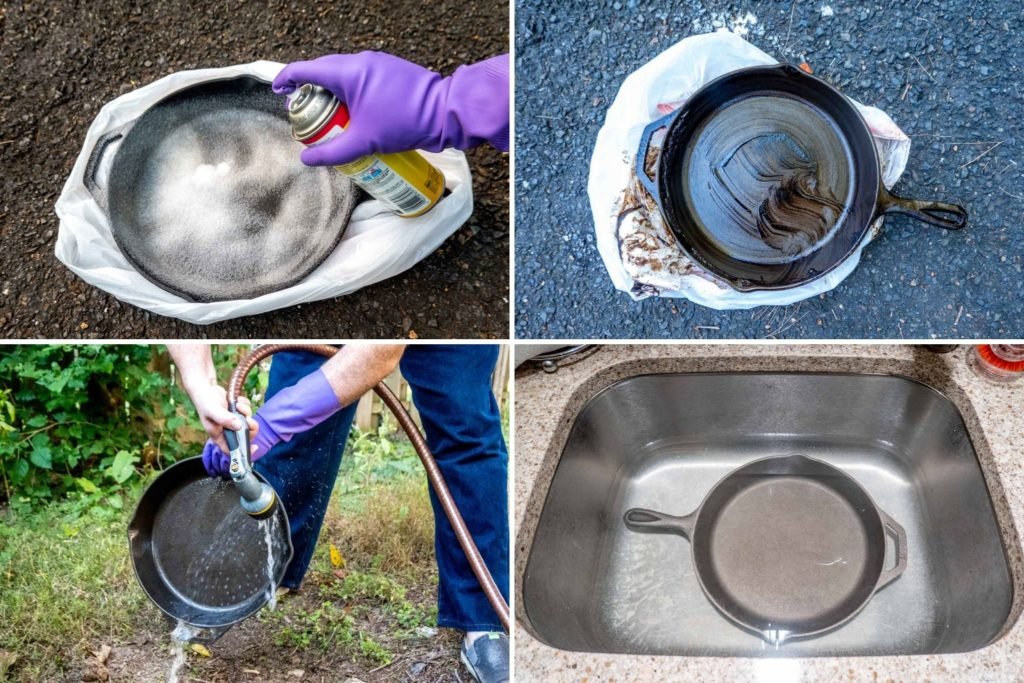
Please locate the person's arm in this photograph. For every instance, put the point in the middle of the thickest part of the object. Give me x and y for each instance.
(199, 379)
(339, 382)
(357, 368)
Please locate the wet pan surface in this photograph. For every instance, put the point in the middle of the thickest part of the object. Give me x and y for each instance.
(198, 555)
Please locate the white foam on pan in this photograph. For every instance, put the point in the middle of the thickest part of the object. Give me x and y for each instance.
(231, 208)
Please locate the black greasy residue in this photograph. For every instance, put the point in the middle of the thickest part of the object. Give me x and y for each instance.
(798, 210)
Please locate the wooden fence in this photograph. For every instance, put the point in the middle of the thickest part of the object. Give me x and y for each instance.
(371, 410)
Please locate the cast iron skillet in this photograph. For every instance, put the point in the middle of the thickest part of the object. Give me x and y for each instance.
(769, 178)
(198, 555)
(786, 547)
(207, 198)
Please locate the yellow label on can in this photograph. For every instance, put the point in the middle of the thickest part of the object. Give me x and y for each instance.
(405, 182)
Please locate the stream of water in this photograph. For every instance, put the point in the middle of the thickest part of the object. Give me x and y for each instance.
(180, 636)
(269, 533)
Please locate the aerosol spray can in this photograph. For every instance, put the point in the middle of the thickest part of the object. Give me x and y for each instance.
(405, 182)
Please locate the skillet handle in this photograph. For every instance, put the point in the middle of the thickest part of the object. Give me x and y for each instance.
(651, 522)
(939, 214)
(99, 151)
(900, 536)
(641, 156)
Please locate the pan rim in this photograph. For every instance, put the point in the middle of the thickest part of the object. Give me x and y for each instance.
(698, 539)
(858, 129)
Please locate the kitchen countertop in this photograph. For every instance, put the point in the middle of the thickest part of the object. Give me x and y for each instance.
(546, 406)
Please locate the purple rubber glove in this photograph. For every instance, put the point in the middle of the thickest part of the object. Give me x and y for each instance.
(395, 105)
(291, 411)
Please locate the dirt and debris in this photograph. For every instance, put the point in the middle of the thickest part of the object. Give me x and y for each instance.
(254, 651)
(62, 61)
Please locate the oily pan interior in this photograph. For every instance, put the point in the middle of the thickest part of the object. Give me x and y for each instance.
(767, 178)
(209, 199)
(778, 269)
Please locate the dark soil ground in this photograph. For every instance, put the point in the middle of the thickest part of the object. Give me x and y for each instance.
(252, 651)
(949, 72)
(61, 61)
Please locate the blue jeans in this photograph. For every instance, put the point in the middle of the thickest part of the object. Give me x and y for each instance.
(451, 387)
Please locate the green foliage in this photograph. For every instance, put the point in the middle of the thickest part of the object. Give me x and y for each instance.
(370, 586)
(87, 422)
(375, 458)
(322, 629)
(411, 616)
(385, 591)
(331, 626)
(373, 651)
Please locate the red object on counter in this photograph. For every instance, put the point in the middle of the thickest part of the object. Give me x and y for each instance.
(999, 362)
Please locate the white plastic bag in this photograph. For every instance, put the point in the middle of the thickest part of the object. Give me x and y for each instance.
(377, 244)
(654, 265)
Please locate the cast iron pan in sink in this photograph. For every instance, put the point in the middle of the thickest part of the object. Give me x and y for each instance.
(207, 196)
(786, 547)
(769, 178)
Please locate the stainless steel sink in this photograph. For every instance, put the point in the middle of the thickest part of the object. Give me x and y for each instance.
(663, 441)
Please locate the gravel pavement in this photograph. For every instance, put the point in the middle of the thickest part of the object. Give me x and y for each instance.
(949, 72)
(61, 61)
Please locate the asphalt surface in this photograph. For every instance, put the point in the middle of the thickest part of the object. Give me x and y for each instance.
(61, 61)
(949, 72)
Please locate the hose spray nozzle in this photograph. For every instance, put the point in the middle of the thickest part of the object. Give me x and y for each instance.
(258, 498)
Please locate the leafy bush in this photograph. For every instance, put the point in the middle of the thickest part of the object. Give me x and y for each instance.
(372, 458)
(84, 421)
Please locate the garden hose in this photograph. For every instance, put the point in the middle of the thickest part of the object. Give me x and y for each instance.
(419, 443)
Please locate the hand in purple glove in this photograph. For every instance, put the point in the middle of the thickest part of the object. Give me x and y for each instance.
(291, 411)
(395, 105)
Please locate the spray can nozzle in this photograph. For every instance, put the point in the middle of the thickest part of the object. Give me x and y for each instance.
(257, 498)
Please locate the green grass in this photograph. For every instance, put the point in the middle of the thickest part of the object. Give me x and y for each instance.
(63, 582)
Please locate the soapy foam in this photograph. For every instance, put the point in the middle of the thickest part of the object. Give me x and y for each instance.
(218, 209)
(226, 209)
